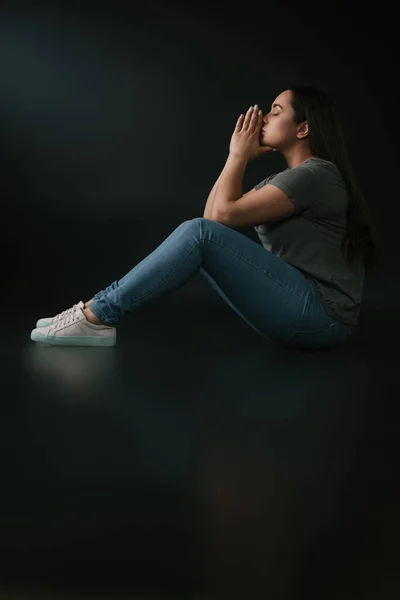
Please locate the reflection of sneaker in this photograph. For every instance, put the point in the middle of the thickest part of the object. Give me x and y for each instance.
(51, 320)
(75, 330)
(75, 373)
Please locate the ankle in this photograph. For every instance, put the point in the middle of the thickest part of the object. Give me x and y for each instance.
(91, 317)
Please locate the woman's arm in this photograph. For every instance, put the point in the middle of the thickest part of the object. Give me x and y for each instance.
(210, 200)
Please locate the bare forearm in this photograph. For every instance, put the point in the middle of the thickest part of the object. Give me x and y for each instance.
(237, 191)
(230, 183)
(208, 209)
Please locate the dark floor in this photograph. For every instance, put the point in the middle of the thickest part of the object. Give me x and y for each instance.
(195, 461)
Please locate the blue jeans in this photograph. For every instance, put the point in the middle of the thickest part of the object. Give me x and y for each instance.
(271, 295)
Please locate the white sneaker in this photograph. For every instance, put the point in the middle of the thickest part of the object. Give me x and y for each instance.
(73, 329)
(51, 320)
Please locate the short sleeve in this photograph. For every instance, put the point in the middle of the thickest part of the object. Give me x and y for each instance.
(264, 182)
(299, 185)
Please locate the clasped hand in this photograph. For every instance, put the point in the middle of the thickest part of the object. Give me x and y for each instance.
(245, 141)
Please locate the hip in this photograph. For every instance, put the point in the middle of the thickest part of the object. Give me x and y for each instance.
(316, 329)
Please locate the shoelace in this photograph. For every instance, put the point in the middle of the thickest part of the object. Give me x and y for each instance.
(63, 314)
(69, 318)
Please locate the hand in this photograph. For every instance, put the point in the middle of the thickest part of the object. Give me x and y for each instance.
(245, 140)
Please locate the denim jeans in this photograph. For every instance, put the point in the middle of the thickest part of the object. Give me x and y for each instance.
(271, 295)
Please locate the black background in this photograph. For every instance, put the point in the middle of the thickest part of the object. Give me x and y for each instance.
(116, 120)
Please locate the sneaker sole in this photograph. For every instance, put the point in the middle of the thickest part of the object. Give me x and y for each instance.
(74, 340)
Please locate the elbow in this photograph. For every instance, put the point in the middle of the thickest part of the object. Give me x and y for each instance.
(218, 217)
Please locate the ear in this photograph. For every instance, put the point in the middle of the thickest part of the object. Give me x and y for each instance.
(303, 130)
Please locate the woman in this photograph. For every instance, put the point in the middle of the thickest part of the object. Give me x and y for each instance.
(302, 286)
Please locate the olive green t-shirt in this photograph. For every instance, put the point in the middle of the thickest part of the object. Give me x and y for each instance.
(310, 238)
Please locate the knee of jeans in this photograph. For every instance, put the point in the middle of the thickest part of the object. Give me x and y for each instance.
(203, 221)
(193, 222)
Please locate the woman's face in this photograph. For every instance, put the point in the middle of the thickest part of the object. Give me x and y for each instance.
(280, 130)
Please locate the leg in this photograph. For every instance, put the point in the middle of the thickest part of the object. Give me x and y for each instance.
(268, 293)
(89, 315)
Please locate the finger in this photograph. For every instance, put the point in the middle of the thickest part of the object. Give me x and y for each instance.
(258, 120)
(258, 116)
(239, 122)
(248, 117)
(255, 118)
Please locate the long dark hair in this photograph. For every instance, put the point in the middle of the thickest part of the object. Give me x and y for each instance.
(327, 142)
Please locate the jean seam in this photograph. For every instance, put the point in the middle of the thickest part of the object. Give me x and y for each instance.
(169, 274)
(258, 269)
(158, 285)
